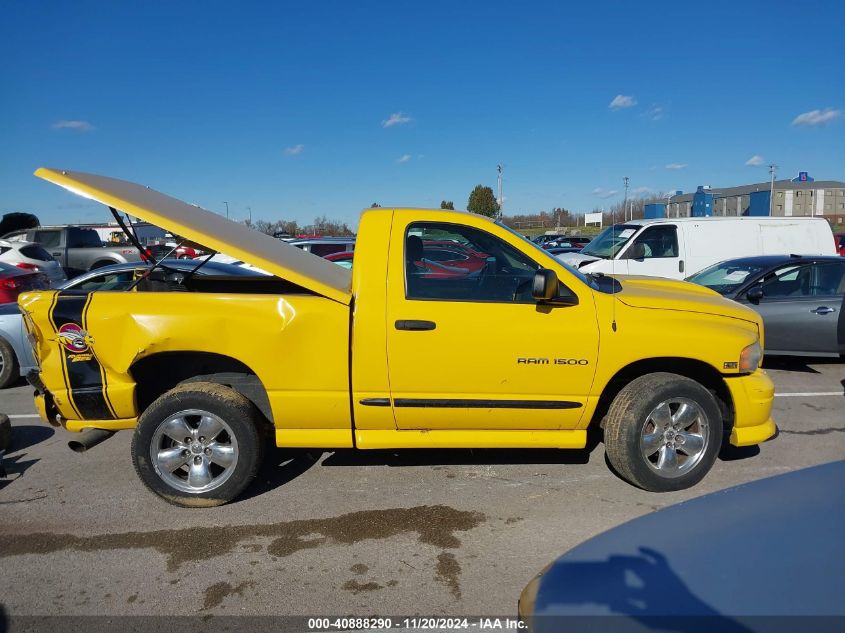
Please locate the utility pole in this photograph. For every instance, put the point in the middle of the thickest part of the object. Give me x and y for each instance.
(772, 170)
(227, 209)
(625, 203)
(501, 200)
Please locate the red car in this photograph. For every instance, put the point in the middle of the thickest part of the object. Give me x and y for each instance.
(14, 280)
(840, 243)
(447, 258)
(343, 259)
(441, 258)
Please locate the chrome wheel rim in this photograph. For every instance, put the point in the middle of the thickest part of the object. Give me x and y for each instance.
(194, 451)
(675, 437)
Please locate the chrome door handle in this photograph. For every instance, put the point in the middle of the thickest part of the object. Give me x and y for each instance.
(823, 310)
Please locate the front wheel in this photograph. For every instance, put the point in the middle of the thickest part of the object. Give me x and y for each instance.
(198, 445)
(663, 432)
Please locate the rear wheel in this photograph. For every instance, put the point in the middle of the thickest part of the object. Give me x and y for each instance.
(198, 445)
(9, 371)
(663, 432)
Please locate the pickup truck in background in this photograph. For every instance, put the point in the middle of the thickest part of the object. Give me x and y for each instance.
(77, 249)
(519, 352)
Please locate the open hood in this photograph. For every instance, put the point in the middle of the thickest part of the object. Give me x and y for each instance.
(17, 221)
(211, 230)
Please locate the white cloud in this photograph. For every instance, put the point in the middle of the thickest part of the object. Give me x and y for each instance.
(296, 150)
(655, 113)
(644, 192)
(676, 166)
(397, 118)
(817, 117)
(604, 193)
(79, 126)
(755, 160)
(404, 158)
(622, 101)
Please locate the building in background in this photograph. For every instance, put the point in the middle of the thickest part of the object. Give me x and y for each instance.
(799, 196)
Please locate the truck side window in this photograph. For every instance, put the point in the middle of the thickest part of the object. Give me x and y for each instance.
(48, 239)
(83, 238)
(656, 241)
(452, 262)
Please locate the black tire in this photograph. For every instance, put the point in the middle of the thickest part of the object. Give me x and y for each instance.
(5, 432)
(9, 369)
(186, 403)
(635, 425)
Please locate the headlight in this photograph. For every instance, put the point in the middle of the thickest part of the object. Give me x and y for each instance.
(750, 357)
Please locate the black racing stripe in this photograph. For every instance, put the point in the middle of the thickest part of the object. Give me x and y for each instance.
(51, 316)
(84, 372)
(103, 377)
(442, 403)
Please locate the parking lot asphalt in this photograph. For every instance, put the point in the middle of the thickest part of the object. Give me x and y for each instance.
(343, 532)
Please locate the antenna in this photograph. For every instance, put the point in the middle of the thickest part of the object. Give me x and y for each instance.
(625, 181)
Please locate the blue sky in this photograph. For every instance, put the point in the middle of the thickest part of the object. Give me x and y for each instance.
(311, 108)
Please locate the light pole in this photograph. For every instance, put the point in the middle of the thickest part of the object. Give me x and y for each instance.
(668, 197)
(625, 203)
(249, 209)
(227, 209)
(501, 201)
(772, 170)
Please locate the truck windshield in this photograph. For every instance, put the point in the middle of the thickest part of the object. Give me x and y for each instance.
(610, 241)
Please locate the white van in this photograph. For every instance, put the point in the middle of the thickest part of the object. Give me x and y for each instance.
(679, 247)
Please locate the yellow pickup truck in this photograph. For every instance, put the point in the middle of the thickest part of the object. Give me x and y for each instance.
(450, 331)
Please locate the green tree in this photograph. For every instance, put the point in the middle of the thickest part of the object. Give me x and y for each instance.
(483, 202)
(447, 204)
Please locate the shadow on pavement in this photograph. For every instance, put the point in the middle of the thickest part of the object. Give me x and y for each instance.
(799, 364)
(281, 465)
(29, 435)
(730, 453)
(463, 456)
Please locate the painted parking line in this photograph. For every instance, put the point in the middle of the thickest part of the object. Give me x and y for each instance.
(14, 416)
(809, 394)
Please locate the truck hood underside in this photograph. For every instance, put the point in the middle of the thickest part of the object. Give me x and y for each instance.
(211, 230)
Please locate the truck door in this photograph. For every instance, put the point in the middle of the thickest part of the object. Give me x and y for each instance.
(79, 243)
(656, 252)
(467, 345)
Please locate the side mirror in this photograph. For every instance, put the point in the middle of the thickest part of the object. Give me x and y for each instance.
(755, 294)
(546, 289)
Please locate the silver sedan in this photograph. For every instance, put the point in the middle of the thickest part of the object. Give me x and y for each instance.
(799, 298)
